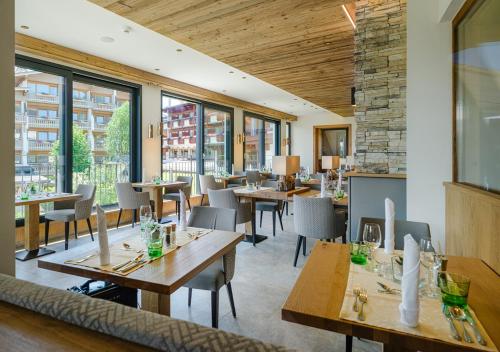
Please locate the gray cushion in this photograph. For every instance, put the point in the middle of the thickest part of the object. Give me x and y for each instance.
(211, 279)
(266, 206)
(61, 215)
(149, 329)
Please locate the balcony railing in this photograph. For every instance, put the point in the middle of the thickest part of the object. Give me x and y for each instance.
(42, 98)
(81, 123)
(44, 123)
(104, 107)
(99, 148)
(19, 144)
(20, 117)
(100, 127)
(40, 145)
(82, 103)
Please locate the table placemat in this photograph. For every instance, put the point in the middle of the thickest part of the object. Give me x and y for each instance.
(135, 246)
(382, 310)
(245, 190)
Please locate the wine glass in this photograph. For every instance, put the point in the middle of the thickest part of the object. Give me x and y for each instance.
(372, 237)
(145, 216)
(431, 263)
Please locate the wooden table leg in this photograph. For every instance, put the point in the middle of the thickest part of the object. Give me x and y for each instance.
(32, 234)
(158, 199)
(155, 302)
(225, 183)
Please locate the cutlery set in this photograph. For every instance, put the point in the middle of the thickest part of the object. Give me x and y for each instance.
(361, 295)
(463, 316)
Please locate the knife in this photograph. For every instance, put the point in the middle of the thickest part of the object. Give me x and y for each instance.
(473, 324)
(447, 314)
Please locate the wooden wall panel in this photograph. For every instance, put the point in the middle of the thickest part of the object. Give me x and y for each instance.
(473, 223)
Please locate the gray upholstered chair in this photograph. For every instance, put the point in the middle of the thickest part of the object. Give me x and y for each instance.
(208, 182)
(253, 176)
(418, 230)
(225, 198)
(128, 198)
(177, 197)
(238, 182)
(298, 183)
(68, 211)
(220, 272)
(316, 218)
(271, 206)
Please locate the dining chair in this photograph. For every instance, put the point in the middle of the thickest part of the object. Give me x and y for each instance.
(253, 176)
(175, 196)
(270, 206)
(220, 272)
(237, 182)
(208, 182)
(225, 198)
(298, 183)
(128, 198)
(418, 230)
(68, 211)
(316, 218)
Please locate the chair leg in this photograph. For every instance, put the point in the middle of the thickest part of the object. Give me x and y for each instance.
(134, 218)
(231, 299)
(261, 212)
(66, 235)
(202, 196)
(190, 296)
(215, 309)
(75, 223)
(178, 205)
(90, 229)
(348, 343)
(286, 206)
(274, 223)
(297, 250)
(119, 217)
(189, 204)
(304, 241)
(280, 217)
(47, 221)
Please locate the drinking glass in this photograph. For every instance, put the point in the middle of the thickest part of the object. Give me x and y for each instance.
(145, 216)
(431, 263)
(372, 237)
(454, 289)
(358, 253)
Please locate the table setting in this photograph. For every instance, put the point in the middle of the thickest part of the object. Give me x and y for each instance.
(409, 290)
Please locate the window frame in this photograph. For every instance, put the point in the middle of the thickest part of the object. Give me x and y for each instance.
(277, 136)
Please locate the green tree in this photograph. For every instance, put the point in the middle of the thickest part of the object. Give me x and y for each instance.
(118, 132)
(82, 157)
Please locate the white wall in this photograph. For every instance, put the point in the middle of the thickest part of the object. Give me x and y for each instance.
(7, 224)
(151, 148)
(429, 115)
(302, 134)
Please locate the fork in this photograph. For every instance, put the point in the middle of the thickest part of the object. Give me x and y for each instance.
(363, 298)
(356, 291)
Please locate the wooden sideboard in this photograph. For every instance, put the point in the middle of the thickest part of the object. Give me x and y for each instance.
(473, 223)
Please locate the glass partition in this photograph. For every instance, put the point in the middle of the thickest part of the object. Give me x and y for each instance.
(261, 142)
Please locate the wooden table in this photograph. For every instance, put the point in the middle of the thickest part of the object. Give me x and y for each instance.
(32, 222)
(266, 194)
(226, 179)
(317, 296)
(344, 202)
(159, 279)
(157, 192)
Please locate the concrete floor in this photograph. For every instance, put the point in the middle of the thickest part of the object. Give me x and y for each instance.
(263, 279)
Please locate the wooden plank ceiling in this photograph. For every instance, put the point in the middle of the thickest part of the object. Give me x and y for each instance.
(302, 46)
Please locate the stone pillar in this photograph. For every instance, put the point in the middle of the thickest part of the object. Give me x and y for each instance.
(380, 81)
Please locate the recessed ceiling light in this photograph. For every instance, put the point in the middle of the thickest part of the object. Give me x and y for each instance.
(231, 72)
(25, 27)
(178, 50)
(224, 91)
(157, 69)
(127, 29)
(295, 99)
(107, 39)
(243, 77)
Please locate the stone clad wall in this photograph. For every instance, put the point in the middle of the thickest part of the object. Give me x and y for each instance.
(380, 81)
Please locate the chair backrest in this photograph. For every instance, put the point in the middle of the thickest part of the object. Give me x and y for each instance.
(207, 182)
(127, 198)
(418, 230)
(83, 206)
(213, 218)
(223, 198)
(186, 188)
(298, 182)
(314, 217)
(318, 175)
(270, 183)
(253, 176)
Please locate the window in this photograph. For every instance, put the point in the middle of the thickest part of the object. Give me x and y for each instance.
(261, 141)
(60, 156)
(217, 140)
(477, 96)
(102, 99)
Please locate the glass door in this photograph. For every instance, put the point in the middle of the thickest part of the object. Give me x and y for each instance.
(217, 140)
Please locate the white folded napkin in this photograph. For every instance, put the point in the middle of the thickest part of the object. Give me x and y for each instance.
(182, 211)
(410, 303)
(389, 226)
(104, 255)
(339, 184)
(323, 186)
